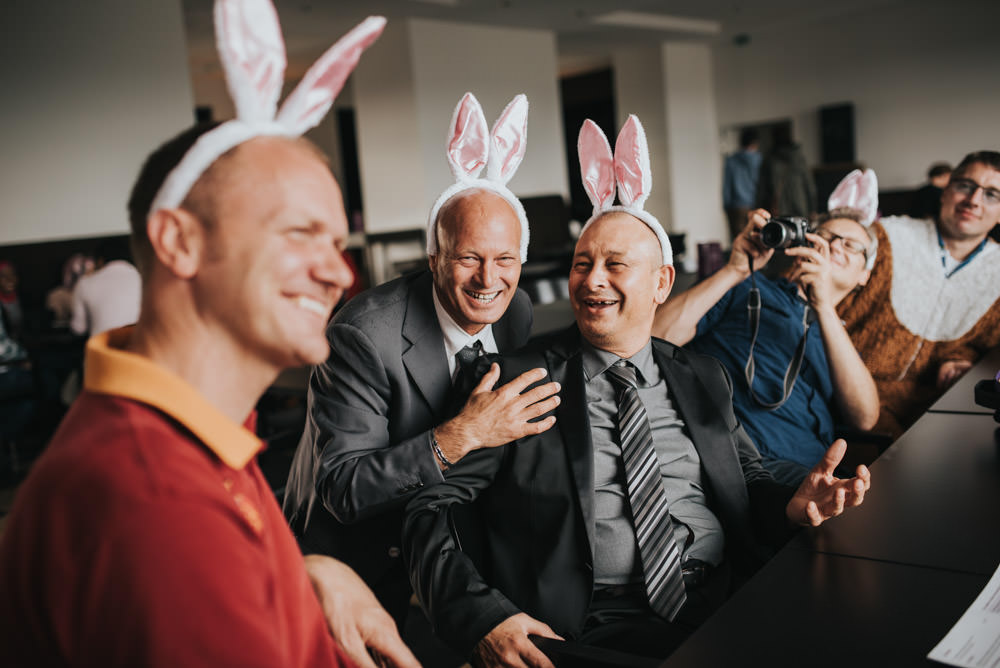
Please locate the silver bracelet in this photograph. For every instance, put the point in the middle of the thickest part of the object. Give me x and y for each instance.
(437, 452)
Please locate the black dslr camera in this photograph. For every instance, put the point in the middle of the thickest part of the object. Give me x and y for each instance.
(785, 232)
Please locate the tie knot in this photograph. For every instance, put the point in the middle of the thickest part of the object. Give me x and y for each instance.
(622, 373)
(469, 354)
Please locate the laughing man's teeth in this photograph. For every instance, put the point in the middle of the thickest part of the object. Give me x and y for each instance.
(485, 298)
(606, 302)
(311, 304)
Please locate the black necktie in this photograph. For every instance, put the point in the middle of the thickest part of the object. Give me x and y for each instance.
(654, 531)
(466, 358)
(468, 375)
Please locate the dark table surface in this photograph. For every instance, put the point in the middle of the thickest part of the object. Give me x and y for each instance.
(960, 397)
(883, 584)
(934, 501)
(812, 609)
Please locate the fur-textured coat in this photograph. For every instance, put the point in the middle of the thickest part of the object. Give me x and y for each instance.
(910, 318)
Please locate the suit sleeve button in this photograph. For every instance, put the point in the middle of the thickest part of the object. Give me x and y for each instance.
(393, 552)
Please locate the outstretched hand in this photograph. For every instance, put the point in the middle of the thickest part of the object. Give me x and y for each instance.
(822, 495)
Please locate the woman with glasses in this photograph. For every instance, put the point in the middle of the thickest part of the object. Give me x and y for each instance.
(805, 374)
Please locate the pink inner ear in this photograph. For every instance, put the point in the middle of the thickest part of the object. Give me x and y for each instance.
(596, 165)
(510, 140)
(867, 194)
(252, 52)
(845, 194)
(311, 99)
(468, 144)
(857, 190)
(632, 164)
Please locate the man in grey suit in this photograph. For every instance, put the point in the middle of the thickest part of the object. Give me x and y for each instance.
(565, 555)
(381, 420)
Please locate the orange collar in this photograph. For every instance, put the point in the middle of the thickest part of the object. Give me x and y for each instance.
(109, 369)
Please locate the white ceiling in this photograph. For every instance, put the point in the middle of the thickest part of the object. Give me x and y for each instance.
(582, 42)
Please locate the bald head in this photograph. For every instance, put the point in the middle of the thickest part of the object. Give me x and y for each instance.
(259, 260)
(201, 199)
(471, 207)
(617, 281)
(649, 244)
(478, 262)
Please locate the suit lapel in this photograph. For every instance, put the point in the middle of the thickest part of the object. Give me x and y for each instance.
(425, 358)
(502, 331)
(573, 421)
(701, 416)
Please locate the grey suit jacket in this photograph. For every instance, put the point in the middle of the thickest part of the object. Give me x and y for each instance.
(366, 445)
(536, 499)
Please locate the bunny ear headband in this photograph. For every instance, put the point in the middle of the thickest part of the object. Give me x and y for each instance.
(470, 148)
(629, 168)
(252, 52)
(858, 190)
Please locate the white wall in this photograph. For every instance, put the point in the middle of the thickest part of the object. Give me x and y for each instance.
(495, 64)
(924, 78)
(406, 89)
(638, 76)
(669, 87)
(392, 178)
(89, 89)
(693, 143)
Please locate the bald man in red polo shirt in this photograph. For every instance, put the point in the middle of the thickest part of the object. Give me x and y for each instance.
(146, 534)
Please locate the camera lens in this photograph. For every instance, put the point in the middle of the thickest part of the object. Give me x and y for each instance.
(775, 234)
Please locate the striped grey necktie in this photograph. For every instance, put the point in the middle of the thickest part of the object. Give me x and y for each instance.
(654, 531)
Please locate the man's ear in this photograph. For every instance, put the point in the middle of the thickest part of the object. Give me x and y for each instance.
(665, 281)
(178, 240)
(432, 263)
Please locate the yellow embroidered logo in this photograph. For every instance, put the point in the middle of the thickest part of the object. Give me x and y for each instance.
(249, 512)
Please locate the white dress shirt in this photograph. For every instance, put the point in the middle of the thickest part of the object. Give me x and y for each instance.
(456, 338)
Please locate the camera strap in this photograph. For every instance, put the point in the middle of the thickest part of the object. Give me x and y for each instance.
(792, 372)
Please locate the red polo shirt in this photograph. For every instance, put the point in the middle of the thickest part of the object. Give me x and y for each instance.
(146, 535)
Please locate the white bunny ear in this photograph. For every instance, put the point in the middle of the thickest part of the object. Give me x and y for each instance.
(468, 139)
(597, 167)
(253, 56)
(509, 140)
(632, 164)
(311, 99)
(858, 190)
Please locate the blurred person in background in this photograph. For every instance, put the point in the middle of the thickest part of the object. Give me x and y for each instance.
(927, 199)
(739, 181)
(59, 300)
(108, 298)
(786, 187)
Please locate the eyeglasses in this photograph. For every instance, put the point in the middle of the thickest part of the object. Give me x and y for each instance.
(968, 188)
(850, 245)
